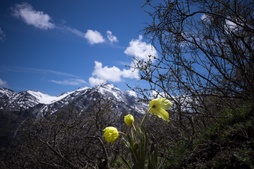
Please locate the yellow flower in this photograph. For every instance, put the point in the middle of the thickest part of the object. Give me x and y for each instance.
(159, 106)
(110, 134)
(128, 119)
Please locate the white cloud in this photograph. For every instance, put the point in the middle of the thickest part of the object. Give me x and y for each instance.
(3, 83)
(112, 38)
(94, 37)
(111, 74)
(41, 20)
(140, 49)
(93, 81)
(131, 73)
(137, 48)
(2, 35)
(107, 73)
(72, 82)
(36, 18)
(72, 79)
(231, 23)
(40, 71)
(73, 31)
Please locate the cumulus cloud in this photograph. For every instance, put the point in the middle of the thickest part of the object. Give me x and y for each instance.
(94, 37)
(2, 35)
(94, 81)
(231, 23)
(32, 17)
(111, 74)
(107, 73)
(112, 38)
(3, 83)
(71, 82)
(39, 19)
(140, 49)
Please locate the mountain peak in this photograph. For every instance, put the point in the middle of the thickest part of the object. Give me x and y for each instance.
(5, 91)
(82, 88)
(41, 104)
(106, 85)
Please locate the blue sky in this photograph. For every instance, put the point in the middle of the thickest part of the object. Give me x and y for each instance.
(59, 46)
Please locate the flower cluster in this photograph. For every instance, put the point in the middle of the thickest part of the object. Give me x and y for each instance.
(157, 107)
(142, 155)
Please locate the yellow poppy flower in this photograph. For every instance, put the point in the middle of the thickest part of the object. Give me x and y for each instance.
(128, 119)
(110, 134)
(159, 106)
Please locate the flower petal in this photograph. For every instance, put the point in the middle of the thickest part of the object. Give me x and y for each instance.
(165, 103)
(155, 103)
(161, 113)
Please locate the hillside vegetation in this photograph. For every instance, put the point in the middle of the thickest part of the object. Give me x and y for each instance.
(229, 144)
(74, 140)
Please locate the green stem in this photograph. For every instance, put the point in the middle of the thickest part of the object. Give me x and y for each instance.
(122, 133)
(133, 125)
(144, 117)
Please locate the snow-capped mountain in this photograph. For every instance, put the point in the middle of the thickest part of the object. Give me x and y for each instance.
(82, 99)
(11, 100)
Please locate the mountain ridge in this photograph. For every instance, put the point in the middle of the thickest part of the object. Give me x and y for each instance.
(41, 104)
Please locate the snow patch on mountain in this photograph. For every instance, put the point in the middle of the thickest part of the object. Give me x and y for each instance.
(48, 99)
(132, 93)
(6, 92)
(82, 89)
(45, 98)
(109, 88)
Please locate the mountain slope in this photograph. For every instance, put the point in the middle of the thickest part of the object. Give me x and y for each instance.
(10, 100)
(82, 99)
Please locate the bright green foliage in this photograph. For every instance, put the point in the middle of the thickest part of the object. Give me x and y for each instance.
(142, 156)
